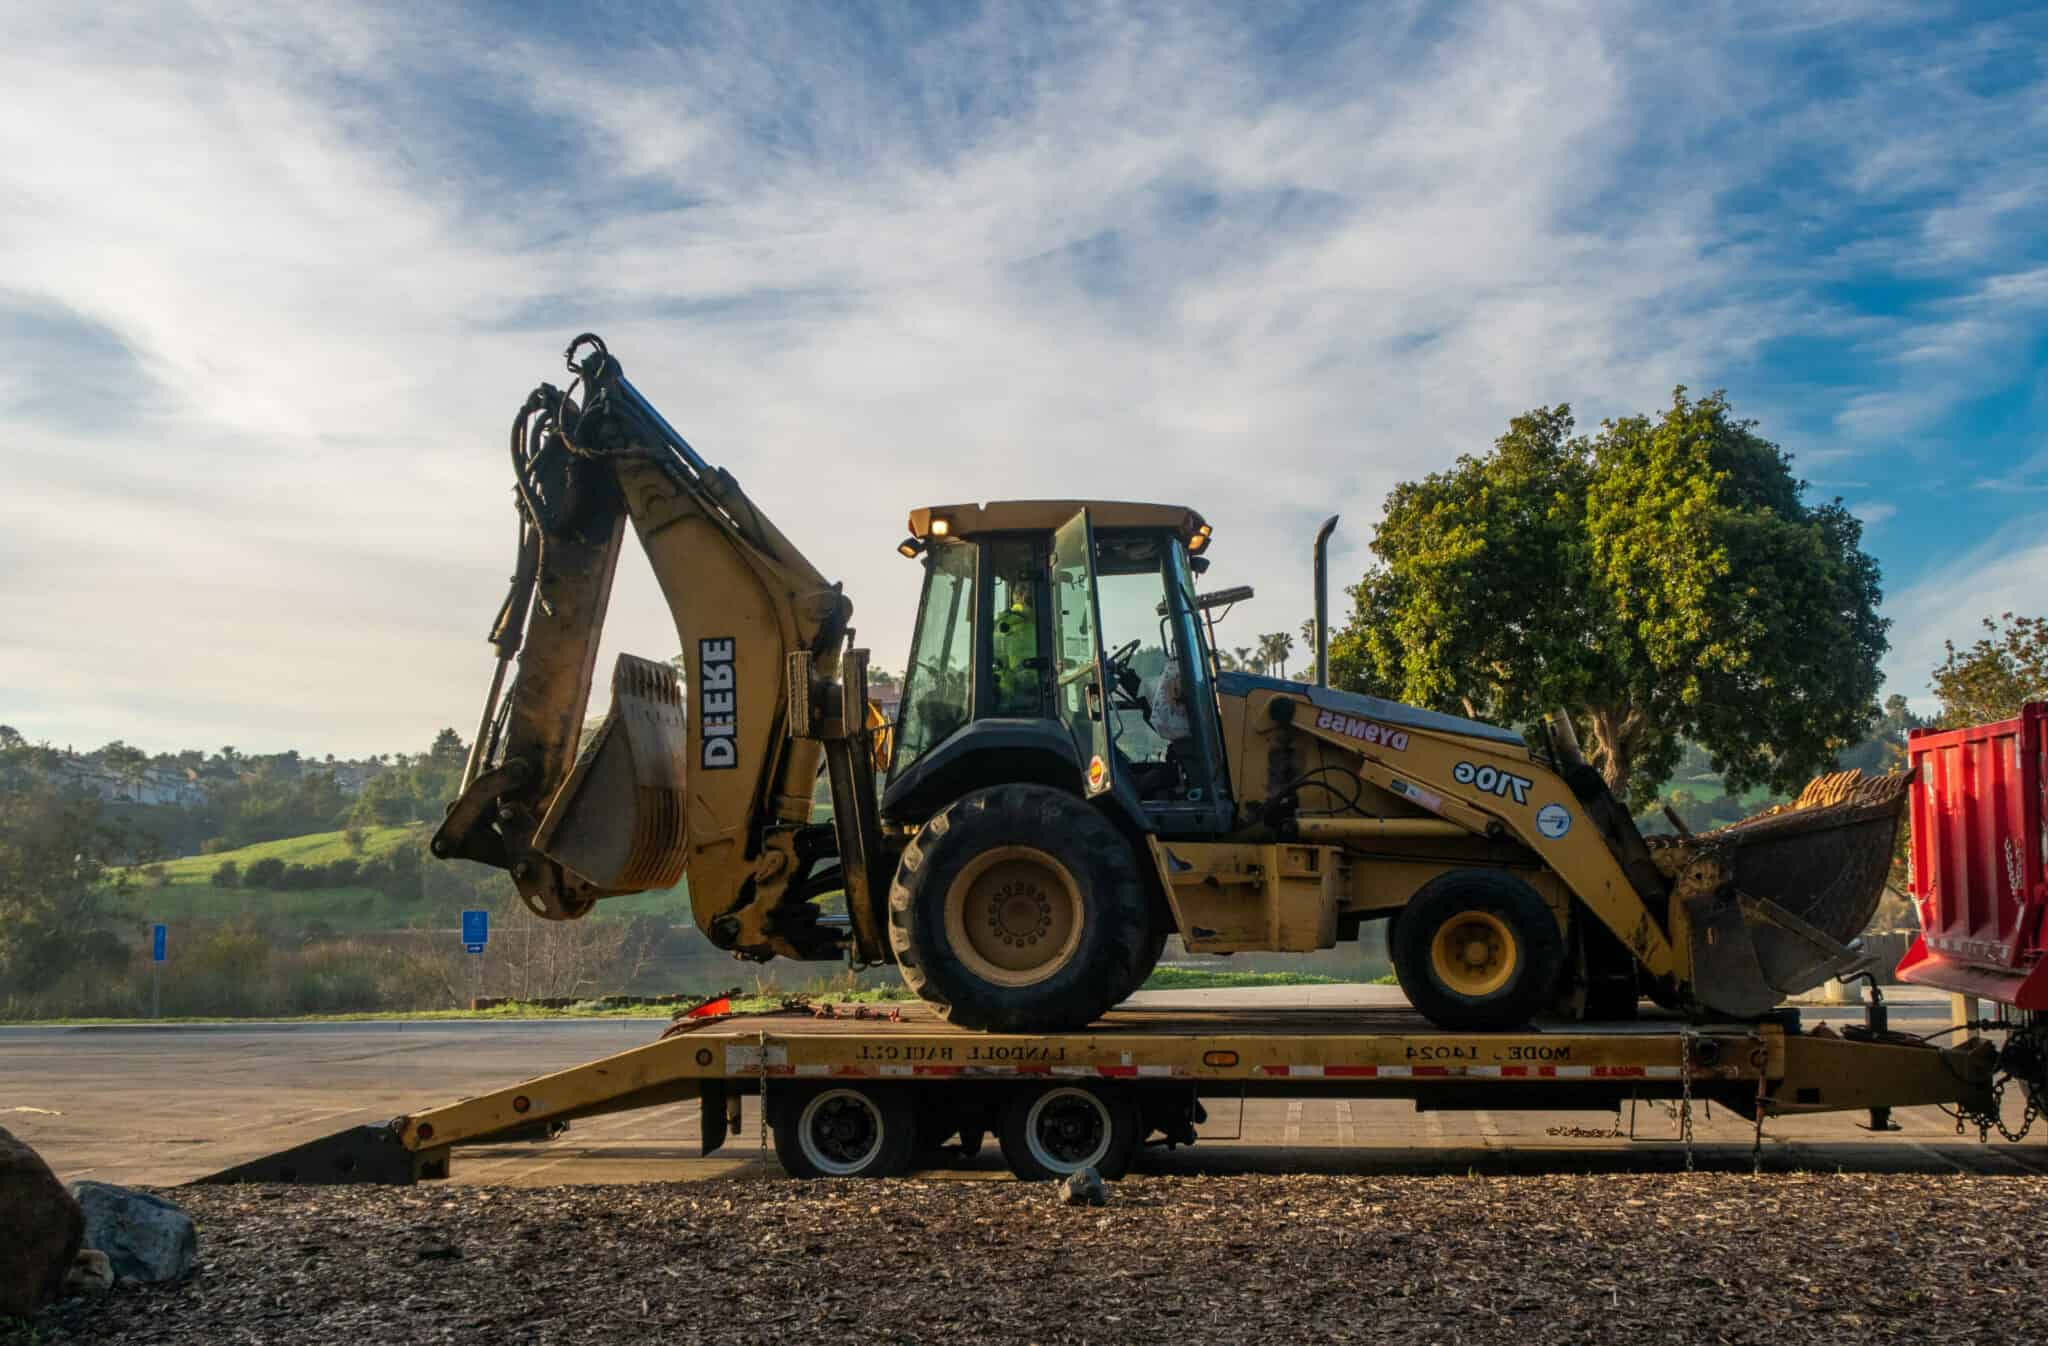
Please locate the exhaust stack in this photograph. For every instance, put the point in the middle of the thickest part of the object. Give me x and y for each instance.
(1323, 600)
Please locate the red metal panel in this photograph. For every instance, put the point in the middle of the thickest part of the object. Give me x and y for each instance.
(1980, 858)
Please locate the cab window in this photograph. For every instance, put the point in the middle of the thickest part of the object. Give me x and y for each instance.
(938, 686)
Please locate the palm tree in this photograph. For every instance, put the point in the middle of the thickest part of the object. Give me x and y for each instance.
(1247, 662)
(1274, 647)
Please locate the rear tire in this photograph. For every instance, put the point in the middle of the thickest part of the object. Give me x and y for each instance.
(1477, 949)
(1019, 909)
(1049, 1133)
(845, 1132)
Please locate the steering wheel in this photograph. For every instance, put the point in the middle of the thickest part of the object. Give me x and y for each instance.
(1115, 667)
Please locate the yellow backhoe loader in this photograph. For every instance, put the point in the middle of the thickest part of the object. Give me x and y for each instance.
(1071, 777)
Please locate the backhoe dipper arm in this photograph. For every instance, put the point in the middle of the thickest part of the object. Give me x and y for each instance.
(722, 789)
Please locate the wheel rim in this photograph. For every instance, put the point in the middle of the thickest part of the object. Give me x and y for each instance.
(1014, 916)
(1067, 1130)
(840, 1132)
(1474, 953)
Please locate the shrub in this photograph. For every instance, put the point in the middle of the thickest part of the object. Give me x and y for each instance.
(341, 873)
(265, 873)
(355, 836)
(228, 875)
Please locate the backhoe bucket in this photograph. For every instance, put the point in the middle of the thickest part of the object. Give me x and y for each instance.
(618, 821)
(1774, 902)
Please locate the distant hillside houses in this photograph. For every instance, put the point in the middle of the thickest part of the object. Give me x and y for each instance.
(141, 784)
(130, 781)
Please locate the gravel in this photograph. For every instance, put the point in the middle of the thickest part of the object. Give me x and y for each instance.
(1707, 1257)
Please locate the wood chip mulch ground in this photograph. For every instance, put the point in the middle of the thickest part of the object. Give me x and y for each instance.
(1708, 1258)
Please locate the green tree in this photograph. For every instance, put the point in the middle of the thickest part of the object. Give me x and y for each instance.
(1993, 678)
(1664, 579)
(54, 852)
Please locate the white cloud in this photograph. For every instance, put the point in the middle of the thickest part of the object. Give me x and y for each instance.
(1097, 255)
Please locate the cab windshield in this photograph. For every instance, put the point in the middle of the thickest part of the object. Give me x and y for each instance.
(938, 686)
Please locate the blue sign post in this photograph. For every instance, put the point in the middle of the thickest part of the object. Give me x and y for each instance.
(158, 943)
(476, 932)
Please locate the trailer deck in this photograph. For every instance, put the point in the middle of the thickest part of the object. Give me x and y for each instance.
(954, 1081)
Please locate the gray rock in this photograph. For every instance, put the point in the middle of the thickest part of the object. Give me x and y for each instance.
(1083, 1187)
(91, 1273)
(145, 1237)
(44, 1229)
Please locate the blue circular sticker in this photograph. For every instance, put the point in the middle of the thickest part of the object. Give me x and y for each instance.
(1553, 820)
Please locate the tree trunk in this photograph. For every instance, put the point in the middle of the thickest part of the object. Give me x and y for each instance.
(1616, 735)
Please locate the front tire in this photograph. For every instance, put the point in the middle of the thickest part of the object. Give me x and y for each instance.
(1476, 949)
(1019, 909)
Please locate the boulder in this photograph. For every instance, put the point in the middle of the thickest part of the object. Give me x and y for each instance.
(145, 1237)
(91, 1273)
(1083, 1187)
(44, 1229)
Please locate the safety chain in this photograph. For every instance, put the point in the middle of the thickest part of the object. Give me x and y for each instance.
(1760, 1057)
(763, 1100)
(2025, 1058)
(1685, 1037)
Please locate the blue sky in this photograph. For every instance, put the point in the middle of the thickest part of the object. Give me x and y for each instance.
(275, 283)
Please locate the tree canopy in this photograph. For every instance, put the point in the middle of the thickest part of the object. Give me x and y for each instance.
(1664, 579)
(1993, 678)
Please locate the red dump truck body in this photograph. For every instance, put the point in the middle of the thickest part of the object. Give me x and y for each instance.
(1980, 859)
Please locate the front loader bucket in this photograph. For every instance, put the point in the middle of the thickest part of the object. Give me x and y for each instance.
(1773, 902)
(618, 821)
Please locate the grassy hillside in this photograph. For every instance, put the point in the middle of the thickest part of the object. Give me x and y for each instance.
(315, 848)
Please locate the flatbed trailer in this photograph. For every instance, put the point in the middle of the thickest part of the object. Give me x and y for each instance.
(862, 1093)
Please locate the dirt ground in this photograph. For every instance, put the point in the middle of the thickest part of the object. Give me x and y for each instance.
(1775, 1259)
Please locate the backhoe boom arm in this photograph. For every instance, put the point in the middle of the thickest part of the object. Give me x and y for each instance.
(709, 772)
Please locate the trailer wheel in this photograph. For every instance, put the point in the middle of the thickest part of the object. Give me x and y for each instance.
(1018, 908)
(1477, 949)
(845, 1133)
(1053, 1132)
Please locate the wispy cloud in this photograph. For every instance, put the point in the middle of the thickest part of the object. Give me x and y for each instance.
(280, 277)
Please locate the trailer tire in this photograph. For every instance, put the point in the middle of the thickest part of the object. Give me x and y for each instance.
(1476, 949)
(1050, 1133)
(1019, 909)
(848, 1131)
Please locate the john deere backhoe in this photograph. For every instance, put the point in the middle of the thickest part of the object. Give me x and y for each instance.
(1072, 777)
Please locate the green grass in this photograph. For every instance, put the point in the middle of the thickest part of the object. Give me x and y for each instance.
(351, 908)
(314, 848)
(1190, 979)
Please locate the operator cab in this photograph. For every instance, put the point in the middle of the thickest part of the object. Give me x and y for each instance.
(1061, 642)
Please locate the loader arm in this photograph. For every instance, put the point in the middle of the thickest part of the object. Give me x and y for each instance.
(711, 773)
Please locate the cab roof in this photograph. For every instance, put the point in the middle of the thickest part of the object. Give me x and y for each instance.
(1043, 516)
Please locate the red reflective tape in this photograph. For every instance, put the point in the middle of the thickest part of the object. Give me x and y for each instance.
(1366, 1071)
(935, 1070)
(1034, 1070)
(1432, 1070)
(1118, 1072)
(1619, 1072)
(1514, 1072)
